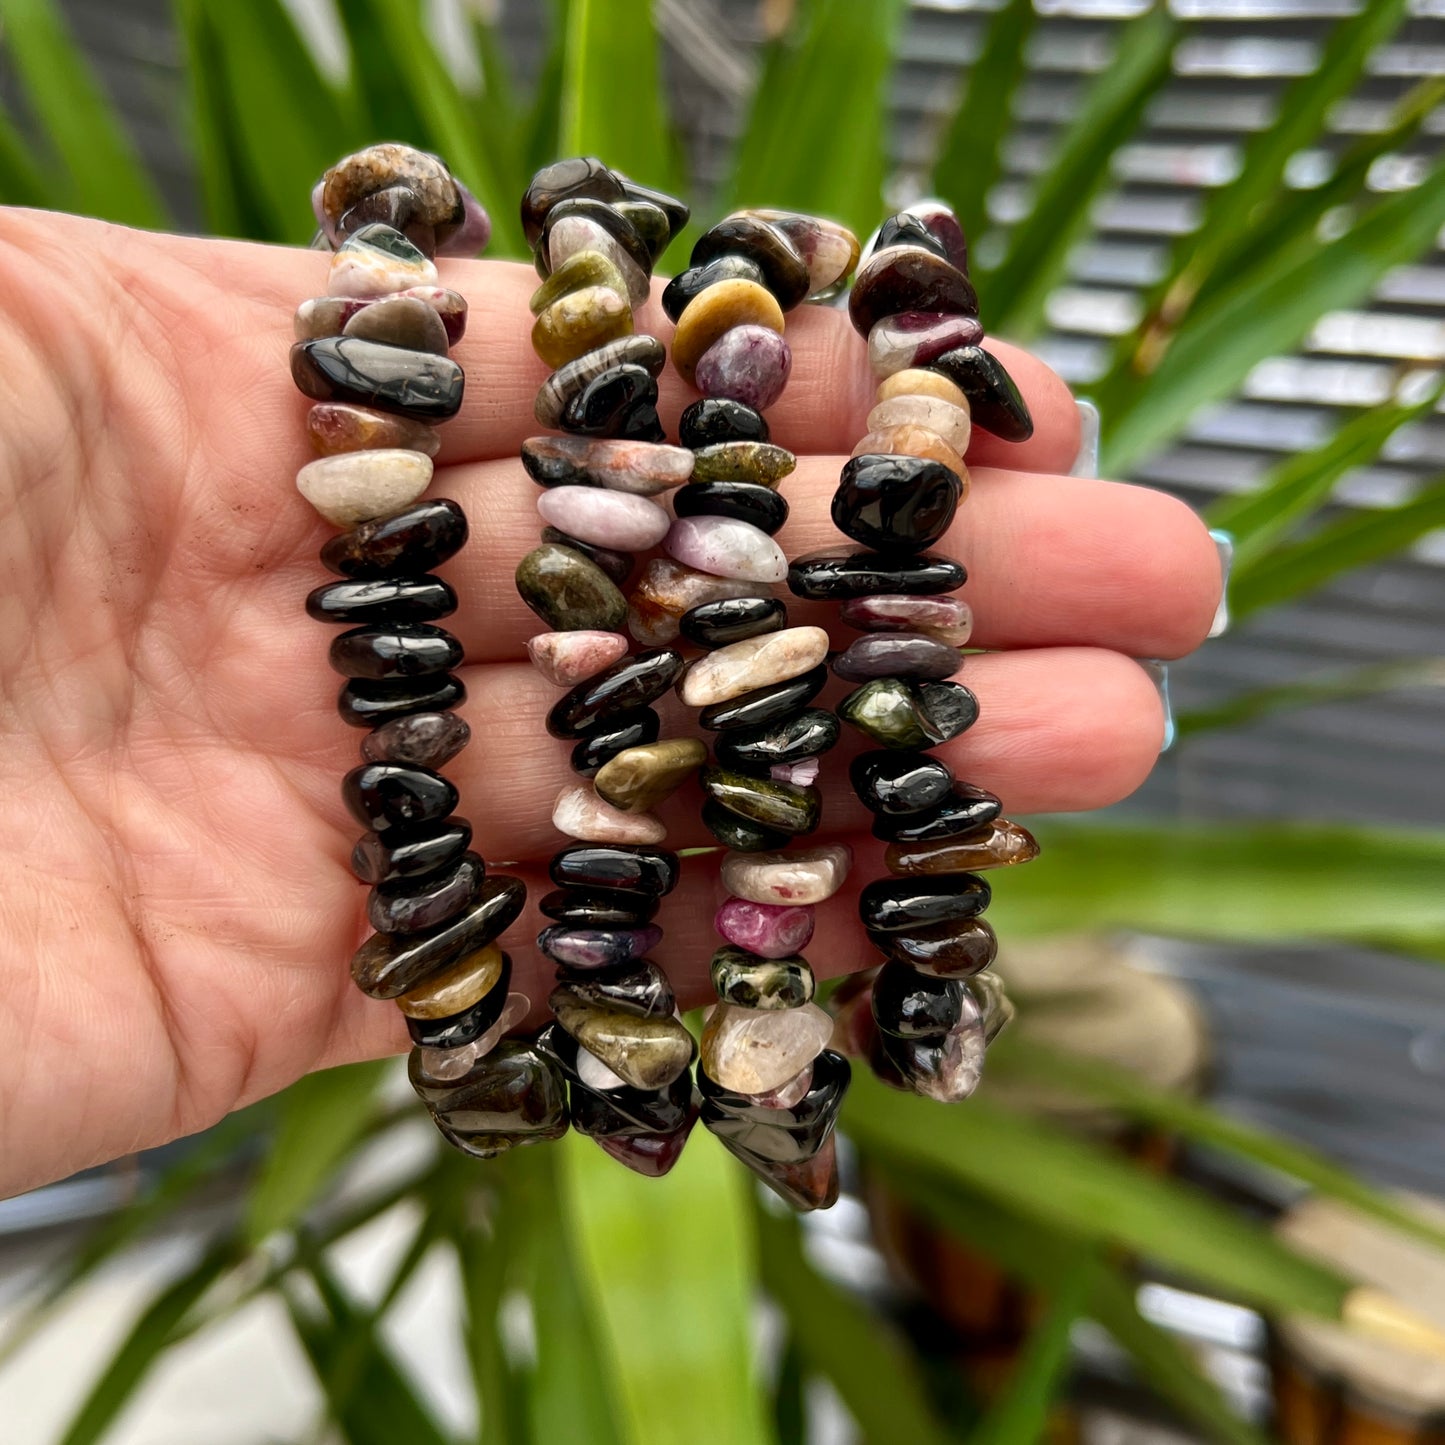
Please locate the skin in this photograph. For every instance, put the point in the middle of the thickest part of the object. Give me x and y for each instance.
(177, 913)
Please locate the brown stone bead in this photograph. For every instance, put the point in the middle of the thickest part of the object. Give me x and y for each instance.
(324, 316)
(719, 309)
(638, 779)
(400, 321)
(576, 273)
(438, 202)
(957, 948)
(647, 1053)
(813, 1184)
(579, 322)
(912, 440)
(908, 278)
(916, 381)
(457, 988)
(338, 426)
(1001, 845)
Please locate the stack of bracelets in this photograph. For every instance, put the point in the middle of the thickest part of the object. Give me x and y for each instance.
(596, 235)
(927, 1029)
(771, 1087)
(372, 354)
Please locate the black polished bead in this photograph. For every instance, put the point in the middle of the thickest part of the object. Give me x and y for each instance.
(626, 1110)
(600, 907)
(994, 401)
(584, 949)
(388, 965)
(894, 905)
(411, 854)
(617, 565)
(513, 1095)
(676, 211)
(415, 384)
(392, 599)
(458, 1029)
(717, 419)
(580, 176)
(784, 272)
(423, 739)
(732, 619)
(621, 402)
(958, 950)
(952, 709)
(965, 811)
(616, 735)
(688, 285)
(899, 783)
(386, 654)
(896, 654)
(549, 464)
(801, 735)
(914, 1005)
(761, 507)
(366, 704)
(387, 796)
(906, 230)
(643, 990)
(835, 575)
(739, 834)
(602, 214)
(764, 802)
(908, 278)
(414, 540)
(765, 705)
(615, 865)
(781, 1136)
(896, 503)
(414, 906)
(624, 687)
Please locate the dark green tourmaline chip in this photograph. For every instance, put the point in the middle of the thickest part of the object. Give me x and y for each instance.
(516, 1094)
(750, 981)
(644, 991)
(617, 1111)
(624, 687)
(801, 735)
(617, 566)
(895, 905)
(415, 384)
(899, 714)
(779, 807)
(738, 833)
(413, 540)
(569, 592)
(914, 1005)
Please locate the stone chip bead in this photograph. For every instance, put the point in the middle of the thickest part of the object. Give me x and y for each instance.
(615, 736)
(578, 272)
(599, 907)
(580, 322)
(397, 651)
(438, 198)
(748, 363)
(688, 285)
(786, 743)
(640, 778)
(617, 520)
(759, 507)
(416, 905)
(716, 311)
(899, 782)
(567, 658)
(732, 619)
(581, 176)
(413, 384)
(569, 592)
(513, 1095)
(910, 440)
(645, 468)
(895, 503)
(745, 978)
(726, 548)
(404, 321)
(580, 813)
(399, 599)
(770, 930)
(838, 574)
(948, 619)
(585, 224)
(994, 399)
(363, 703)
(896, 713)
(730, 671)
(759, 462)
(420, 740)
(954, 948)
(828, 250)
(568, 382)
(753, 1051)
(337, 428)
(897, 905)
(666, 590)
(408, 542)
(965, 810)
(376, 261)
(621, 402)
(764, 706)
(999, 844)
(629, 684)
(915, 338)
(943, 417)
(896, 654)
(470, 979)
(387, 796)
(413, 853)
(643, 990)
(596, 948)
(645, 1053)
(588, 865)
(779, 807)
(785, 274)
(802, 876)
(713, 419)
(908, 278)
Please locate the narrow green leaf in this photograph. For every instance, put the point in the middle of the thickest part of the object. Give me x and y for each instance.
(649, 1250)
(1038, 249)
(21, 183)
(836, 1336)
(101, 170)
(1354, 541)
(1291, 490)
(143, 1346)
(388, 108)
(805, 146)
(1357, 682)
(1089, 1193)
(790, 1402)
(970, 156)
(321, 1117)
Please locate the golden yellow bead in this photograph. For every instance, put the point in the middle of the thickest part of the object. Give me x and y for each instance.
(719, 309)
(463, 984)
(580, 322)
(915, 381)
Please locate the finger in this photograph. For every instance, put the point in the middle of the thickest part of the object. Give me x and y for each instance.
(1052, 561)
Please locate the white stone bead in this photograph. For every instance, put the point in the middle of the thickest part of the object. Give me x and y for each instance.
(354, 487)
(755, 662)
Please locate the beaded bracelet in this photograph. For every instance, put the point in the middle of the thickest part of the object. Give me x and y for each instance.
(771, 1087)
(372, 355)
(897, 496)
(596, 236)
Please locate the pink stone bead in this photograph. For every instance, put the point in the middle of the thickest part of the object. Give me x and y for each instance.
(567, 658)
(725, 547)
(749, 364)
(619, 520)
(768, 929)
(800, 775)
(915, 338)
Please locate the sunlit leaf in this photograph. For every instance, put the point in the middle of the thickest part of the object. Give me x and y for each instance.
(391, 113)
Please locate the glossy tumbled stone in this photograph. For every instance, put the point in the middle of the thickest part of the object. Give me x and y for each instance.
(412, 384)
(650, 222)
(628, 684)
(324, 316)
(726, 548)
(750, 364)
(569, 592)
(908, 278)
(716, 310)
(904, 229)
(650, 1155)
(732, 619)
(782, 744)
(567, 658)
(801, 876)
(687, 285)
(896, 654)
(948, 619)
(950, 706)
(828, 250)
(580, 813)
(765, 705)
(777, 806)
(422, 740)
(514, 1095)
(422, 537)
(914, 1005)
(917, 381)
(993, 398)
(412, 853)
(647, 1053)
(643, 990)
(769, 930)
(402, 599)
(895, 502)
(604, 1104)
(759, 507)
(915, 338)
(665, 590)
(337, 428)
(405, 321)
(759, 462)
(435, 194)
(366, 704)
(621, 402)
(752, 1051)
(570, 381)
(644, 468)
(956, 948)
(897, 905)
(940, 222)
(460, 1029)
(741, 834)
(640, 778)
(457, 1062)
(899, 782)
(589, 948)
(599, 907)
(743, 977)
(562, 181)
(385, 653)
(616, 566)
(720, 419)
(616, 520)
(456, 989)
(908, 439)
(387, 796)
(579, 322)
(743, 234)
(805, 1186)
(838, 574)
(892, 713)
(415, 905)
(999, 844)
(758, 662)
(388, 965)
(587, 865)
(964, 810)
(786, 1123)
(675, 210)
(612, 738)
(376, 261)
(950, 422)
(578, 272)
(580, 224)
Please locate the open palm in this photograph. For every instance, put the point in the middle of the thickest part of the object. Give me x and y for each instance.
(176, 913)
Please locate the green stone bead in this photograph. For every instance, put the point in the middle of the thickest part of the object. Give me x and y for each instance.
(645, 1053)
(745, 979)
(738, 834)
(570, 592)
(890, 712)
(586, 268)
(759, 462)
(768, 804)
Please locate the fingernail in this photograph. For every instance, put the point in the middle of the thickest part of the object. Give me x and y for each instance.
(1159, 672)
(1224, 545)
(1086, 464)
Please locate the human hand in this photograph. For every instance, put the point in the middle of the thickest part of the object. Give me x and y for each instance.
(177, 912)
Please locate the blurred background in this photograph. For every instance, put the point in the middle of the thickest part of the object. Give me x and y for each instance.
(1218, 1121)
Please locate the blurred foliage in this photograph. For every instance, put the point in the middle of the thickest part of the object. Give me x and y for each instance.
(636, 1295)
